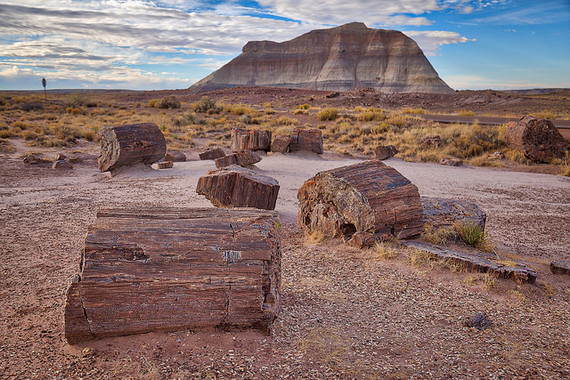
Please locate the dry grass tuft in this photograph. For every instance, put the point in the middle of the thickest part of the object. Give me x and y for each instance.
(439, 236)
(328, 114)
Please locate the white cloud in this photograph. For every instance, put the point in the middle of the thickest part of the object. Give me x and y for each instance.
(430, 41)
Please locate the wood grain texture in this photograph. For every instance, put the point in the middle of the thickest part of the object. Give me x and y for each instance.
(130, 144)
(365, 198)
(168, 269)
(242, 158)
(250, 139)
(310, 140)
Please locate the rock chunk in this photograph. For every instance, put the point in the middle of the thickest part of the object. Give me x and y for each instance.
(480, 321)
(62, 164)
(239, 187)
(538, 139)
(243, 158)
(168, 269)
(560, 267)
(212, 154)
(451, 161)
(281, 144)
(165, 165)
(310, 140)
(175, 156)
(365, 198)
(432, 140)
(130, 144)
(33, 159)
(250, 139)
(384, 152)
(442, 212)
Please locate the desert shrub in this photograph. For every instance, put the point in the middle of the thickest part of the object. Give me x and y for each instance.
(31, 106)
(437, 235)
(300, 112)
(465, 113)
(76, 100)
(269, 111)
(386, 250)
(416, 111)
(6, 146)
(284, 120)
(29, 135)
(187, 118)
(7, 133)
(303, 107)
(205, 104)
(379, 129)
(152, 103)
(169, 102)
(398, 120)
(328, 114)
(370, 116)
(544, 115)
(241, 110)
(472, 234)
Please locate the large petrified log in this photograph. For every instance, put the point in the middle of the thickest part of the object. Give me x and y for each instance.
(242, 158)
(212, 154)
(538, 139)
(130, 144)
(167, 269)
(480, 261)
(250, 139)
(310, 140)
(368, 198)
(235, 186)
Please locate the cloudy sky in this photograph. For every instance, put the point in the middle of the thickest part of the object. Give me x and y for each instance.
(170, 44)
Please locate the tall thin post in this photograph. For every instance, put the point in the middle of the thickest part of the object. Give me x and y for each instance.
(44, 83)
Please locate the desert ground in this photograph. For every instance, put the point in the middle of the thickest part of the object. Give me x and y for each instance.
(346, 312)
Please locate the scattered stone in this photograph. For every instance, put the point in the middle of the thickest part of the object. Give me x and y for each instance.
(250, 139)
(212, 154)
(60, 157)
(281, 144)
(384, 152)
(170, 269)
(560, 267)
(235, 186)
(538, 139)
(451, 161)
(367, 198)
(335, 94)
(33, 159)
(310, 140)
(165, 164)
(480, 321)
(174, 156)
(432, 140)
(243, 158)
(497, 156)
(480, 261)
(62, 164)
(443, 213)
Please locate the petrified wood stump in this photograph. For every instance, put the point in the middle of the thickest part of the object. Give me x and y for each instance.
(243, 158)
(168, 269)
(130, 144)
(239, 187)
(212, 154)
(538, 139)
(250, 139)
(368, 198)
(310, 140)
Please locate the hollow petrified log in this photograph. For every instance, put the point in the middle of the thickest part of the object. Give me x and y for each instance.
(130, 144)
(243, 158)
(310, 140)
(235, 186)
(538, 139)
(212, 154)
(250, 139)
(168, 269)
(368, 198)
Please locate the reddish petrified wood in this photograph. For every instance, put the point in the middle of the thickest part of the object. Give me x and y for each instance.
(383, 152)
(239, 187)
(306, 140)
(365, 198)
(130, 144)
(243, 158)
(444, 213)
(174, 156)
(212, 154)
(168, 269)
(250, 139)
(281, 144)
(538, 139)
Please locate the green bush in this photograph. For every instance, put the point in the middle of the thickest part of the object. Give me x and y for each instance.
(170, 102)
(472, 234)
(205, 104)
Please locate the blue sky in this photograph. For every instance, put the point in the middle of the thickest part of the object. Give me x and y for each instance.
(170, 44)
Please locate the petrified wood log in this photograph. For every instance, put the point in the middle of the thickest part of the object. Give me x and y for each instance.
(212, 154)
(365, 198)
(250, 139)
(130, 144)
(243, 158)
(165, 164)
(441, 212)
(538, 139)
(310, 140)
(281, 144)
(480, 261)
(383, 152)
(168, 269)
(560, 267)
(239, 187)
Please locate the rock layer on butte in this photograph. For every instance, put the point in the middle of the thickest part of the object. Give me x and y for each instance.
(347, 57)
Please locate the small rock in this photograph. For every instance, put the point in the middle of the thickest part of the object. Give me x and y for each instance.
(451, 161)
(479, 321)
(32, 159)
(165, 164)
(62, 164)
(434, 140)
(212, 154)
(243, 158)
(333, 95)
(60, 157)
(383, 152)
(560, 267)
(174, 156)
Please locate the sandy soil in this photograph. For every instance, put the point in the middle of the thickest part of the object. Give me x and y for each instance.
(346, 312)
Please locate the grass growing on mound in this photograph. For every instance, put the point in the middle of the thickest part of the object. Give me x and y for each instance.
(473, 235)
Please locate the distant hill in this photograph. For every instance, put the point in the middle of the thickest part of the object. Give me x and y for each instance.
(344, 58)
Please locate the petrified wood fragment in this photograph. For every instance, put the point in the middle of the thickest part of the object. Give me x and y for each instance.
(310, 140)
(242, 158)
(168, 269)
(538, 139)
(480, 261)
(175, 156)
(165, 164)
(250, 139)
(383, 152)
(560, 267)
(130, 144)
(281, 144)
(212, 154)
(365, 198)
(441, 212)
(239, 187)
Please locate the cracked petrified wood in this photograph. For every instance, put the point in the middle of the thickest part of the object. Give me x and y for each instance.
(368, 198)
(250, 139)
(480, 261)
(242, 158)
(168, 269)
(235, 186)
(130, 144)
(212, 154)
(310, 140)
(538, 139)
(444, 213)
